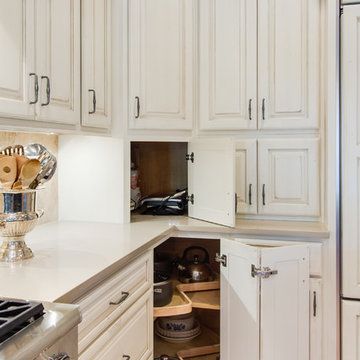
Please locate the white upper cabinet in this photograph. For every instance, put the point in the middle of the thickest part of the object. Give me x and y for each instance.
(58, 60)
(289, 177)
(350, 77)
(161, 57)
(246, 176)
(211, 181)
(17, 68)
(228, 64)
(277, 327)
(289, 64)
(96, 63)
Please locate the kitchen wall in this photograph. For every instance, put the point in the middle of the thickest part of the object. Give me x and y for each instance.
(48, 197)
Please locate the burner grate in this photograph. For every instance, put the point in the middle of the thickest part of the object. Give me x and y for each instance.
(16, 315)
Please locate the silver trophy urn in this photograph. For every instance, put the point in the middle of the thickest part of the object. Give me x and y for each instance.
(18, 216)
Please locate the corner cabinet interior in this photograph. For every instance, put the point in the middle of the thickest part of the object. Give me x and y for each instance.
(161, 64)
(264, 308)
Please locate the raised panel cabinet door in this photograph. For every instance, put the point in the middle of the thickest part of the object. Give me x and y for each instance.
(246, 176)
(211, 181)
(228, 64)
(17, 67)
(240, 302)
(58, 60)
(350, 78)
(289, 64)
(285, 303)
(350, 329)
(96, 63)
(161, 64)
(289, 183)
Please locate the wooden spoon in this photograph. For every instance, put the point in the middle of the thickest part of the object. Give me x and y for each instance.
(29, 171)
(20, 161)
(8, 171)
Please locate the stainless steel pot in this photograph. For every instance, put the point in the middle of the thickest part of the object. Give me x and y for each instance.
(18, 216)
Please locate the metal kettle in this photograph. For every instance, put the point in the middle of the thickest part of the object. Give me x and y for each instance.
(195, 269)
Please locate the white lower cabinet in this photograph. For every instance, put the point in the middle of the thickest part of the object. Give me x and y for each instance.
(350, 330)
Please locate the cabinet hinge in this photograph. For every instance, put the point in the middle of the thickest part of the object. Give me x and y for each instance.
(314, 304)
(263, 273)
(190, 157)
(222, 259)
(190, 198)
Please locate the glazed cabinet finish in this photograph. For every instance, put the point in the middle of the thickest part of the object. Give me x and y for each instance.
(246, 176)
(350, 329)
(351, 151)
(289, 177)
(227, 71)
(17, 61)
(58, 60)
(161, 79)
(96, 63)
(275, 327)
(289, 64)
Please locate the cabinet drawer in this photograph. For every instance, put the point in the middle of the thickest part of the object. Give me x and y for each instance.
(130, 336)
(102, 306)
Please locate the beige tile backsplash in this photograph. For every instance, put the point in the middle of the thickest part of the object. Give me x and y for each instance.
(48, 197)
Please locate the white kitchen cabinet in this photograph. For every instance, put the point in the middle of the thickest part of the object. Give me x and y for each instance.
(246, 176)
(289, 177)
(96, 63)
(350, 328)
(58, 60)
(228, 64)
(161, 64)
(277, 327)
(350, 47)
(17, 60)
(289, 64)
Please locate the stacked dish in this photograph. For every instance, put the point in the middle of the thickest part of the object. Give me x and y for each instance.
(177, 329)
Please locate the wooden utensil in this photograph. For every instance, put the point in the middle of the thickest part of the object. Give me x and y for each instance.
(29, 170)
(20, 161)
(8, 171)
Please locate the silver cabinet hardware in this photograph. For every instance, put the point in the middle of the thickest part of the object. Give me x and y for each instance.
(222, 259)
(60, 356)
(250, 194)
(93, 101)
(36, 89)
(263, 273)
(236, 203)
(47, 90)
(124, 296)
(314, 304)
(263, 195)
(190, 157)
(126, 357)
(190, 198)
(137, 99)
(250, 106)
(263, 109)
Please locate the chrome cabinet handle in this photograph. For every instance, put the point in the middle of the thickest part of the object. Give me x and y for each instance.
(47, 91)
(249, 109)
(250, 194)
(263, 195)
(124, 296)
(36, 89)
(137, 99)
(93, 101)
(60, 356)
(126, 357)
(263, 109)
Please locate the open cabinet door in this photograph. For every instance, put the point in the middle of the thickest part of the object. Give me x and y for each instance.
(240, 319)
(211, 184)
(285, 303)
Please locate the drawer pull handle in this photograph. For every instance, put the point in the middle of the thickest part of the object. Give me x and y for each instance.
(60, 356)
(126, 357)
(124, 296)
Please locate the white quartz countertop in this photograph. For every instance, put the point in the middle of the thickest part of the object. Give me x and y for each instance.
(69, 256)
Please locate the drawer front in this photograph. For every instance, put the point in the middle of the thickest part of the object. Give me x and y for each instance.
(129, 337)
(102, 306)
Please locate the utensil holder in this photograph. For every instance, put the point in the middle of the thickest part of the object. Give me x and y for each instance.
(18, 216)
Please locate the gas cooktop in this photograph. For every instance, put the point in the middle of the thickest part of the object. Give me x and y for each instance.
(16, 315)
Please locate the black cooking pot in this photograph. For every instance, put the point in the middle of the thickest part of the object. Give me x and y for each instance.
(162, 264)
(163, 293)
